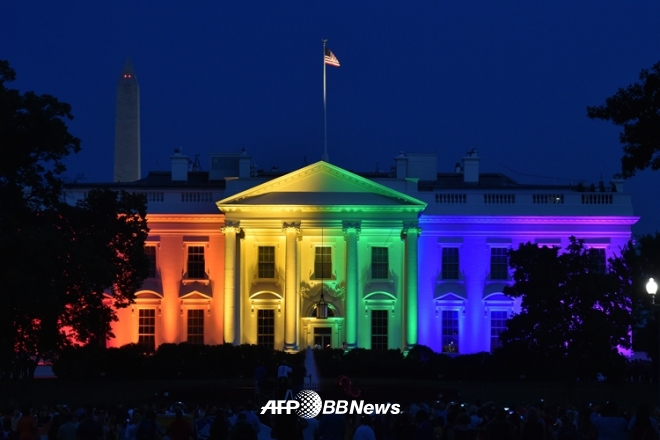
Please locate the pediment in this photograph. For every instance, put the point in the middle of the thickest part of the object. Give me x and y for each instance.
(498, 298)
(148, 294)
(266, 296)
(379, 296)
(450, 297)
(195, 290)
(321, 184)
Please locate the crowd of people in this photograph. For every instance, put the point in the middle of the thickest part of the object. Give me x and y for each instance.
(437, 420)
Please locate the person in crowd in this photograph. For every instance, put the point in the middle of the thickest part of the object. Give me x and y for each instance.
(251, 416)
(331, 427)
(364, 430)
(259, 378)
(500, 428)
(242, 429)
(534, 427)
(309, 432)
(26, 427)
(89, 429)
(220, 426)
(642, 426)
(180, 428)
(68, 429)
(288, 427)
(610, 425)
(424, 429)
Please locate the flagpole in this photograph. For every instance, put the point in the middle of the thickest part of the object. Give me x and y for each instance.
(325, 156)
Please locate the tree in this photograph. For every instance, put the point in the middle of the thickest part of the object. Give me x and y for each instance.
(642, 261)
(64, 267)
(574, 314)
(637, 109)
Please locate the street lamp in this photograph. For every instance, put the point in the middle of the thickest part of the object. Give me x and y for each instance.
(652, 289)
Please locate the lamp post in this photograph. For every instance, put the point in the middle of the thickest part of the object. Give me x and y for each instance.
(652, 289)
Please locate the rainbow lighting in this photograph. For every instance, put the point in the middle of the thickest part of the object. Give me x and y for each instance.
(399, 258)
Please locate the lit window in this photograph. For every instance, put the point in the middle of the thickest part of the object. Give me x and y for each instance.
(497, 326)
(147, 329)
(266, 262)
(196, 265)
(499, 264)
(379, 263)
(450, 263)
(195, 326)
(323, 262)
(266, 328)
(379, 329)
(450, 331)
(150, 252)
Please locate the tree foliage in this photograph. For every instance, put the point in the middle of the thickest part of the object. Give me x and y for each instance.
(64, 266)
(637, 109)
(574, 314)
(642, 261)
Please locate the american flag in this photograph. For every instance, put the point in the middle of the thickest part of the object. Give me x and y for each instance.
(330, 58)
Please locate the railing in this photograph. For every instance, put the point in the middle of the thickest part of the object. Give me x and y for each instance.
(548, 199)
(196, 197)
(153, 196)
(500, 199)
(597, 199)
(450, 198)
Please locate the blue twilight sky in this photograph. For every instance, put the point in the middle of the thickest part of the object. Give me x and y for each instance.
(511, 79)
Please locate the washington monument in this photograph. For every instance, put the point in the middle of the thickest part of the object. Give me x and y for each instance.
(127, 127)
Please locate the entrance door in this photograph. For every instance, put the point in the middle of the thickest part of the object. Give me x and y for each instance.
(322, 337)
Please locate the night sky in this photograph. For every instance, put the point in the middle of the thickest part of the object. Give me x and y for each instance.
(511, 79)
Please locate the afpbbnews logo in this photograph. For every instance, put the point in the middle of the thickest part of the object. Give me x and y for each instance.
(308, 404)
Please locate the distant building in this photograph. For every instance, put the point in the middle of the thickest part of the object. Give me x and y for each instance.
(405, 257)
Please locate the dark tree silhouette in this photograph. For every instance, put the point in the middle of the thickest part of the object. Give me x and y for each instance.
(574, 313)
(637, 109)
(64, 267)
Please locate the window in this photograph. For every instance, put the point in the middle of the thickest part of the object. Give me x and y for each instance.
(150, 252)
(195, 326)
(196, 265)
(499, 264)
(379, 263)
(450, 331)
(450, 263)
(497, 326)
(266, 328)
(147, 329)
(323, 262)
(379, 329)
(266, 262)
(599, 260)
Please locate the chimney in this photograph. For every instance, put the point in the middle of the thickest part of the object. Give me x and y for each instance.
(244, 164)
(471, 167)
(180, 165)
(401, 165)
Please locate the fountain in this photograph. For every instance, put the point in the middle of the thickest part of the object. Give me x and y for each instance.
(312, 377)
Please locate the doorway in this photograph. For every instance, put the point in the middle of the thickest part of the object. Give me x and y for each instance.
(322, 337)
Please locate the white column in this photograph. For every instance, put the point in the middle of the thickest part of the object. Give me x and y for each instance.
(290, 289)
(412, 320)
(232, 322)
(351, 235)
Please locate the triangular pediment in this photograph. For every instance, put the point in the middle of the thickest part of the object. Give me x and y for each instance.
(321, 184)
